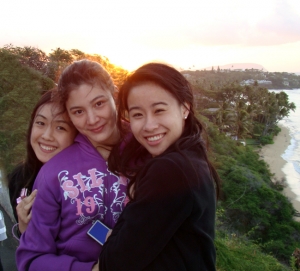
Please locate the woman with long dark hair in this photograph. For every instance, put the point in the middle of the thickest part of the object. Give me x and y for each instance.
(169, 223)
(50, 131)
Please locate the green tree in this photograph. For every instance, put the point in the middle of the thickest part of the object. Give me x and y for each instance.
(20, 87)
(58, 60)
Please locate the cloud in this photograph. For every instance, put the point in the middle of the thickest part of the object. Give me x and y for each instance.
(273, 24)
(281, 28)
(157, 24)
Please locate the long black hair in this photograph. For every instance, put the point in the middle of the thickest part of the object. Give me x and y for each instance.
(24, 174)
(132, 153)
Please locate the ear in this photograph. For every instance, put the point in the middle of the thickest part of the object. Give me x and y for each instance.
(185, 110)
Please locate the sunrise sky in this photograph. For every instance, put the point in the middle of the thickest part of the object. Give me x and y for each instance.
(188, 34)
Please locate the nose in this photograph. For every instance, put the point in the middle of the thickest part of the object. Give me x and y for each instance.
(48, 133)
(91, 117)
(150, 124)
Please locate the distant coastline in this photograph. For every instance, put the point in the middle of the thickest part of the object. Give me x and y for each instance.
(272, 155)
(244, 74)
(243, 66)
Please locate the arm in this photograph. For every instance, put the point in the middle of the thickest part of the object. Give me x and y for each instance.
(96, 267)
(38, 244)
(3, 235)
(163, 202)
(24, 211)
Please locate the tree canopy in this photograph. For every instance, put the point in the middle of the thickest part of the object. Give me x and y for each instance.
(252, 206)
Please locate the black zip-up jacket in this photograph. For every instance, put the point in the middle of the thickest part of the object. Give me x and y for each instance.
(171, 223)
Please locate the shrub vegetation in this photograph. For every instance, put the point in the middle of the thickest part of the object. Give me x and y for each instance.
(255, 223)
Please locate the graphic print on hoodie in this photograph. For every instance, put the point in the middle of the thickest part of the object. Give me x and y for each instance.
(88, 192)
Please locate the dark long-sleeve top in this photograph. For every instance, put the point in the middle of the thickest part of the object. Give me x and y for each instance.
(15, 185)
(170, 225)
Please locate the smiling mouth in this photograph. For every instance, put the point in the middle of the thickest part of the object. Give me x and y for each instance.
(154, 138)
(98, 129)
(47, 148)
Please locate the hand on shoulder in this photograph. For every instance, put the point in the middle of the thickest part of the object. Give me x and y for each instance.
(24, 211)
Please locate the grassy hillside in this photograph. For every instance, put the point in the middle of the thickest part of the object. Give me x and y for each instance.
(255, 225)
(20, 88)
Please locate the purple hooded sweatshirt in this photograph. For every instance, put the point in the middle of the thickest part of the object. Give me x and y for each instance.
(75, 189)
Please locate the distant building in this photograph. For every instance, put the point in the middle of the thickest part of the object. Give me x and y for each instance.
(251, 82)
(285, 82)
(225, 70)
(247, 82)
(264, 82)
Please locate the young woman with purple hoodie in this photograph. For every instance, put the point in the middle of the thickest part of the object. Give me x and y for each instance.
(75, 188)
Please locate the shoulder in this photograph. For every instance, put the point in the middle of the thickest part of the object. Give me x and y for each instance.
(177, 162)
(164, 170)
(188, 166)
(15, 173)
(81, 150)
(15, 184)
(170, 161)
(163, 177)
(16, 179)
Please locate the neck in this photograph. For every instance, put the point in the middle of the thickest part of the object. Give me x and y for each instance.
(104, 150)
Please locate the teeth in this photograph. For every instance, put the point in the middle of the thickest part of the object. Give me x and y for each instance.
(47, 148)
(154, 138)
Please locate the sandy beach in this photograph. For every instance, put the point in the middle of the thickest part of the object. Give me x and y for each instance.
(272, 155)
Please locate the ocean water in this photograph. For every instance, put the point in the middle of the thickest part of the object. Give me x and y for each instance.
(292, 153)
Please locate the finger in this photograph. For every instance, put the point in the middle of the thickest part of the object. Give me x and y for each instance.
(20, 206)
(24, 208)
(20, 209)
(26, 218)
(108, 234)
(29, 216)
(23, 218)
(28, 206)
(31, 197)
(34, 192)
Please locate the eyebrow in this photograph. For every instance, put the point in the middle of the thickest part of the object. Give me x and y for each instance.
(39, 115)
(63, 121)
(153, 105)
(57, 121)
(96, 98)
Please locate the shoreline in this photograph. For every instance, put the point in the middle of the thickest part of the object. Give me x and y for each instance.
(271, 154)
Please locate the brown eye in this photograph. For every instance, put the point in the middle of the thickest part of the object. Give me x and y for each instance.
(61, 128)
(136, 115)
(78, 112)
(40, 123)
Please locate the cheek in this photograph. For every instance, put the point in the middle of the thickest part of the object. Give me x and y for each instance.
(33, 136)
(77, 122)
(111, 111)
(66, 141)
(134, 125)
(112, 116)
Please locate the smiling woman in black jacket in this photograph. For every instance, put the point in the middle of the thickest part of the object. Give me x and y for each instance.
(169, 222)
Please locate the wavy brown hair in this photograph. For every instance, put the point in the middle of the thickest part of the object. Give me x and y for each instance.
(83, 72)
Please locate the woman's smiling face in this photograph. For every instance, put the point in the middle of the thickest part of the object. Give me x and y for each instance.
(156, 117)
(51, 132)
(92, 110)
